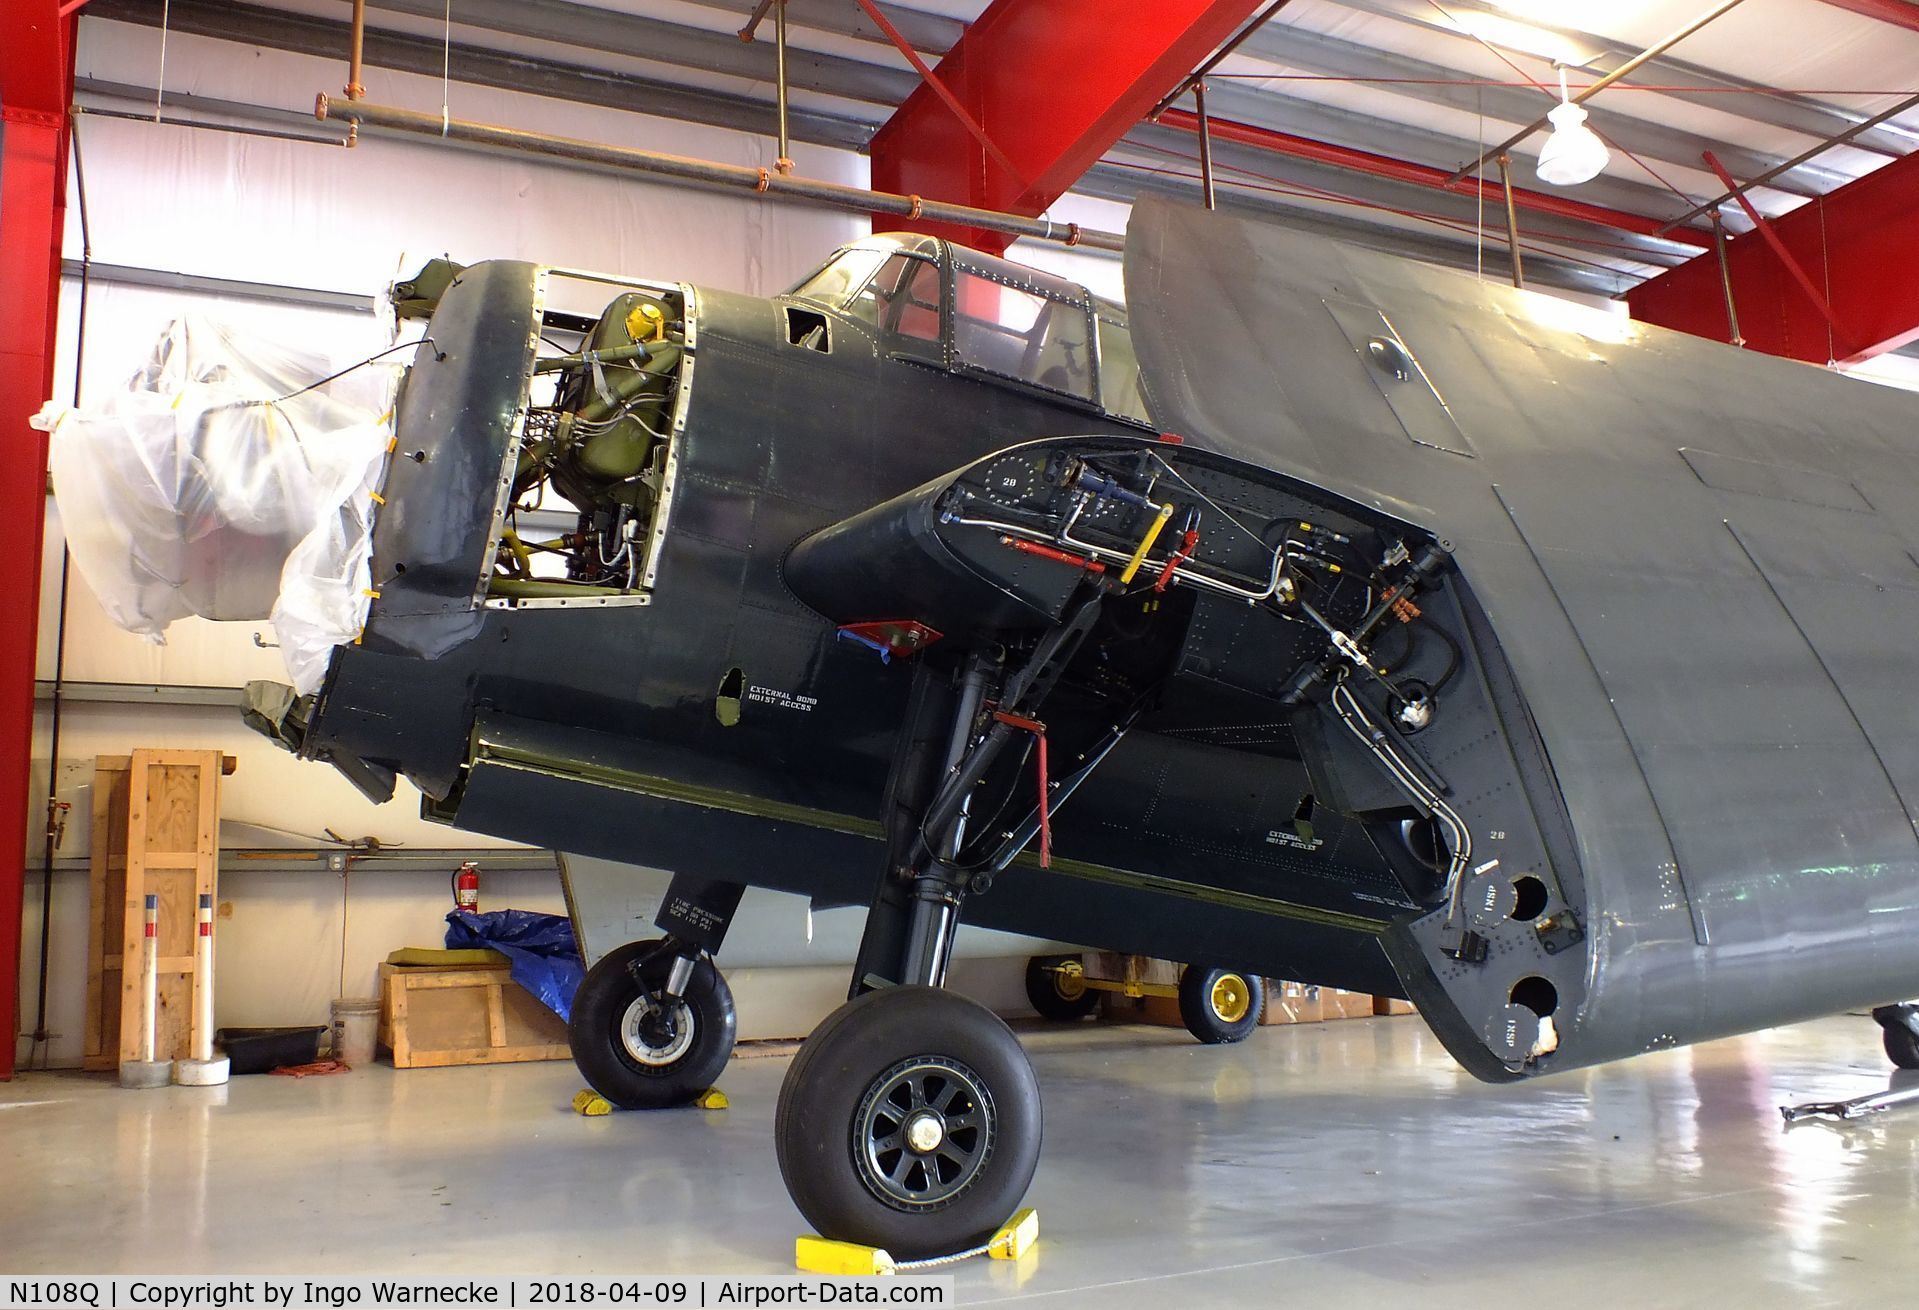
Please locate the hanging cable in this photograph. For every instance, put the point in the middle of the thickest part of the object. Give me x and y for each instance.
(331, 377)
(40, 1039)
(1825, 260)
(1547, 91)
(160, 83)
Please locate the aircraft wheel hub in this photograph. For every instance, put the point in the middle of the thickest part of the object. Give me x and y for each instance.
(923, 1131)
(654, 1034)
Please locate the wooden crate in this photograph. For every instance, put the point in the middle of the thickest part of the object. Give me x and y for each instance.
(1337, 1004)
(156, 831)
(431, 1017)
(106, 930)
(1293, 1002)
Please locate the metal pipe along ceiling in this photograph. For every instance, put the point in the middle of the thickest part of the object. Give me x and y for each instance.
(1425, 175)
(764, 181)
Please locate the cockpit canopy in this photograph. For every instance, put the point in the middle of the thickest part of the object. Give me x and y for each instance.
(971, 312)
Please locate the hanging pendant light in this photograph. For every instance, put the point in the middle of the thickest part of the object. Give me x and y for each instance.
(1573, 153)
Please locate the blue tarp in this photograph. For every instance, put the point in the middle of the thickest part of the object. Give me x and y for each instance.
(539, 948)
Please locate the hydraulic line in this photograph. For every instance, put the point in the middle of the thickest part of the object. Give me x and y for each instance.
(1378, 744)
(1095, 552)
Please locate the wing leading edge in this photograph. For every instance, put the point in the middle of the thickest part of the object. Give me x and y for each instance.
(1695, 565)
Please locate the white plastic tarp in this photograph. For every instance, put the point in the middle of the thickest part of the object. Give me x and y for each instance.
(224, 482)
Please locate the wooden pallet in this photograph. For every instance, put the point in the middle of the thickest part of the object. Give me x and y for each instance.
(433, 1017)
(156, 831)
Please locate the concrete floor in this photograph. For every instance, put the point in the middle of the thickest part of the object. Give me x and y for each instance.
(1345, 1163)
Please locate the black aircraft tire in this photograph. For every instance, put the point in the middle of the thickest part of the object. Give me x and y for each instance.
(1902, 1045)
(1056, 994)
(612, 1038)
(880, 1067)
(1220, 1005)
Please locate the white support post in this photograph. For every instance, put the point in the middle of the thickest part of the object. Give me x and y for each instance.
(204, 1069)
(149, 1071)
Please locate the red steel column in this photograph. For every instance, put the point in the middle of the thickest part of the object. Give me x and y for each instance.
(1053, 83)
(36, 83)
(1859, 245)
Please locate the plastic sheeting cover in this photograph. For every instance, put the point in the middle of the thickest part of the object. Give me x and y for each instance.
(217, 484)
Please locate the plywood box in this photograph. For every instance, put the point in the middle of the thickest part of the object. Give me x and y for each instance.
(106, 932)
(156, 831)
(1291, 1002)
(1138, 969)
(432, 1017)
(1337, 1004)
(1160, 1011)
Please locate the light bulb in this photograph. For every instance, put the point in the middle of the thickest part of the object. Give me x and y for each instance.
(1573, 153)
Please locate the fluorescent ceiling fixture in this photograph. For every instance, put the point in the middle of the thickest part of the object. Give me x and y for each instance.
(1511, 34)
(1582, 15)
(1573, 153)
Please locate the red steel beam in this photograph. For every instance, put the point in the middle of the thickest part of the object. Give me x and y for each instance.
(1053, 83)
(36, 84)
(1900, 13)
(1861, 245)
(940, 89)
(1422, 175)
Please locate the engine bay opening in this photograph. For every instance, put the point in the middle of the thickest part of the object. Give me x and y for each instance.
(593, 470)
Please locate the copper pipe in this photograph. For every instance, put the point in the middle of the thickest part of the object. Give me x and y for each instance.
(785, 158)
(765, 181)
(752, 24)
(1512, 221)
(1725, 282)
(1258, 21)
(354, 87)
(1909, 103)
(1205, 146)
(1626, 69)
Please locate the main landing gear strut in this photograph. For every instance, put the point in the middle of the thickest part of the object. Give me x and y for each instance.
(910, 1120)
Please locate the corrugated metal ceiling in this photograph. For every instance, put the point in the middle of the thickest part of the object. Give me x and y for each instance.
(1426, 80)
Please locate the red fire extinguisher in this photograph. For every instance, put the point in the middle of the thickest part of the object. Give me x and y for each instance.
(466, 888)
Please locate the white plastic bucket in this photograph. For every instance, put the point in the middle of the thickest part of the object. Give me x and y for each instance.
(356, 1028)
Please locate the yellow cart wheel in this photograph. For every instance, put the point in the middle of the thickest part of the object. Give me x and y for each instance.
(1056, 986)
(1220, 1005)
